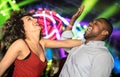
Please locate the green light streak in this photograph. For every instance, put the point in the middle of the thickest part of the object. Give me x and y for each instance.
(7, 9)
(2, 4)
(22, 4)
(4, 15)
(117, 24)
(14, 6)
(88, 6)
(26, 2)
(109, 12)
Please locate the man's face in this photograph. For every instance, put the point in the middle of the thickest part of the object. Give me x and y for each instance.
(94, 29)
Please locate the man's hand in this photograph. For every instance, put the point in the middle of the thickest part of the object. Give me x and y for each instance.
(74, 17)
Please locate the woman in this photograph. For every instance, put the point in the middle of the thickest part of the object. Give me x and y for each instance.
(25, 47)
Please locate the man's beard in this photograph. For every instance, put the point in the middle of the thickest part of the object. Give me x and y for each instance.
(85, 36)
(90, 36)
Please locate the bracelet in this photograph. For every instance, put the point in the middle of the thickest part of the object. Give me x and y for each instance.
(70, 25)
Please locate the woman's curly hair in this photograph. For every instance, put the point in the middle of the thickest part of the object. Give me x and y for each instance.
(13, 28)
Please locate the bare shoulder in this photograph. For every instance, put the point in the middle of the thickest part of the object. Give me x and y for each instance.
(15, 49)
(18, 44)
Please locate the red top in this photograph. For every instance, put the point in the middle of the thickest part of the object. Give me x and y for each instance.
(31, 67)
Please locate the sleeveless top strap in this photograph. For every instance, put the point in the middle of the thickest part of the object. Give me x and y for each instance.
(29, 49)
(27, 45)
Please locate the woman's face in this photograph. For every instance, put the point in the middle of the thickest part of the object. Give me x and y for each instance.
(30, 24)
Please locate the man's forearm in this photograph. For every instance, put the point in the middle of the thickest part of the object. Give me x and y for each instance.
(69, 27)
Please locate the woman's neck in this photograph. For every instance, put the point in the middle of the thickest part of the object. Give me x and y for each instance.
(33, 37)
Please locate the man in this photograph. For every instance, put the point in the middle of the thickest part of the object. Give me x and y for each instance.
(92, 58)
